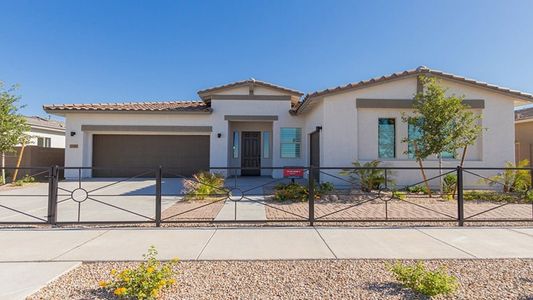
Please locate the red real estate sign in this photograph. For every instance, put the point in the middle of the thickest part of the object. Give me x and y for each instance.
(293, 172)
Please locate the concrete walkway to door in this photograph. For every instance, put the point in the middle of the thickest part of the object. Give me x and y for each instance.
(264, 243)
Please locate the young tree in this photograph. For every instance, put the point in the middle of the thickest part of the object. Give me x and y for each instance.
(443, 123)
(466, 131)
(12, 124)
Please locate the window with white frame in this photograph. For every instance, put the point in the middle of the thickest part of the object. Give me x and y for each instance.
(44, 142)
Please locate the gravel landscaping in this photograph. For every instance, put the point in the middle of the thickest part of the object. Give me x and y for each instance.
(307, 279)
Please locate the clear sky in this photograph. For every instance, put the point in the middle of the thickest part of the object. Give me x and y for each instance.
(111, 51)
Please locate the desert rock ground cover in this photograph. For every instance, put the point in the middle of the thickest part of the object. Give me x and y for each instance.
(308, 279)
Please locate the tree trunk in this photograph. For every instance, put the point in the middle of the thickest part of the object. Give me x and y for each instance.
(463, 156)
(424, 177)
(19, 160)
(3, 168)
(422, 170)
(440, 174)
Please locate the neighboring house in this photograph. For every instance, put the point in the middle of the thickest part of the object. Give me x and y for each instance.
(252, 123)
(524, 134)
(46, 147)
(46, 133)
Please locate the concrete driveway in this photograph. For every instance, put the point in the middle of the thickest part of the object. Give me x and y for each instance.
(91, 200)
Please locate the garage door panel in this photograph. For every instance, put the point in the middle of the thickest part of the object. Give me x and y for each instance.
(130, 155)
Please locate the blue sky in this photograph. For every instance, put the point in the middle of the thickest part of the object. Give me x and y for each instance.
(113, 51)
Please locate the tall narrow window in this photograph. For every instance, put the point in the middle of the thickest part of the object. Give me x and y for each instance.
(266, 144)
(291, 139)
(235, 144)
(386, 138)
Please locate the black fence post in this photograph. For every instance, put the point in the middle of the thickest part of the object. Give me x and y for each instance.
(460, 200)
(158, 179)
(52, 195)
(56, 189)
(386, 179)
(311, 186)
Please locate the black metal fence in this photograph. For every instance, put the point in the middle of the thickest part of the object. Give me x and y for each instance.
(307, 195)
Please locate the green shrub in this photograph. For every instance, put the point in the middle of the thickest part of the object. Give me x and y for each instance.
(324, 188)
(423, 281)
(417, 189)
(24, 180)
(498, 196)
(144, 281)
(449, 186)
(369, 179)
(299, 192)
(513, 180)
(204, 184)
(399, 195)
(291, 191)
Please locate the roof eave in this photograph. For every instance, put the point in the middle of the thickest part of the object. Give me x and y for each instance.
(407, 74)
(205, 94)
(39, 127)
(63, 112)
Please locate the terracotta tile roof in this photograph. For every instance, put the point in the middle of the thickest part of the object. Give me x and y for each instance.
(168, 106)
(422, 70)
(523, 114)
(247, 82)
(35, 121)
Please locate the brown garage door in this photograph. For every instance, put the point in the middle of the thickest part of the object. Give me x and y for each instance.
(130, 155)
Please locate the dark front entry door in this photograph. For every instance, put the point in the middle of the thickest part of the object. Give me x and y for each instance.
(251, 153)
(315, 154)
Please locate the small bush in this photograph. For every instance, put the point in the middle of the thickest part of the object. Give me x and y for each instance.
(418, 189)
(369, 179)
(24, 180)
(324, 188)
(299, 192)
(449, 186)
(423, 281)
(143, 282)
(204, 184)
(291, 191)
(399, 195)
(498, 196)
(513, 180)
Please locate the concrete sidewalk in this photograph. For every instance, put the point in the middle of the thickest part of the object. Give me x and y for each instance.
(263, 243)
(19, 280)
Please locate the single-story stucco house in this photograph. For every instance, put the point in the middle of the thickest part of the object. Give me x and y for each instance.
(45, 147)
(46, 133)
(252, 123)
